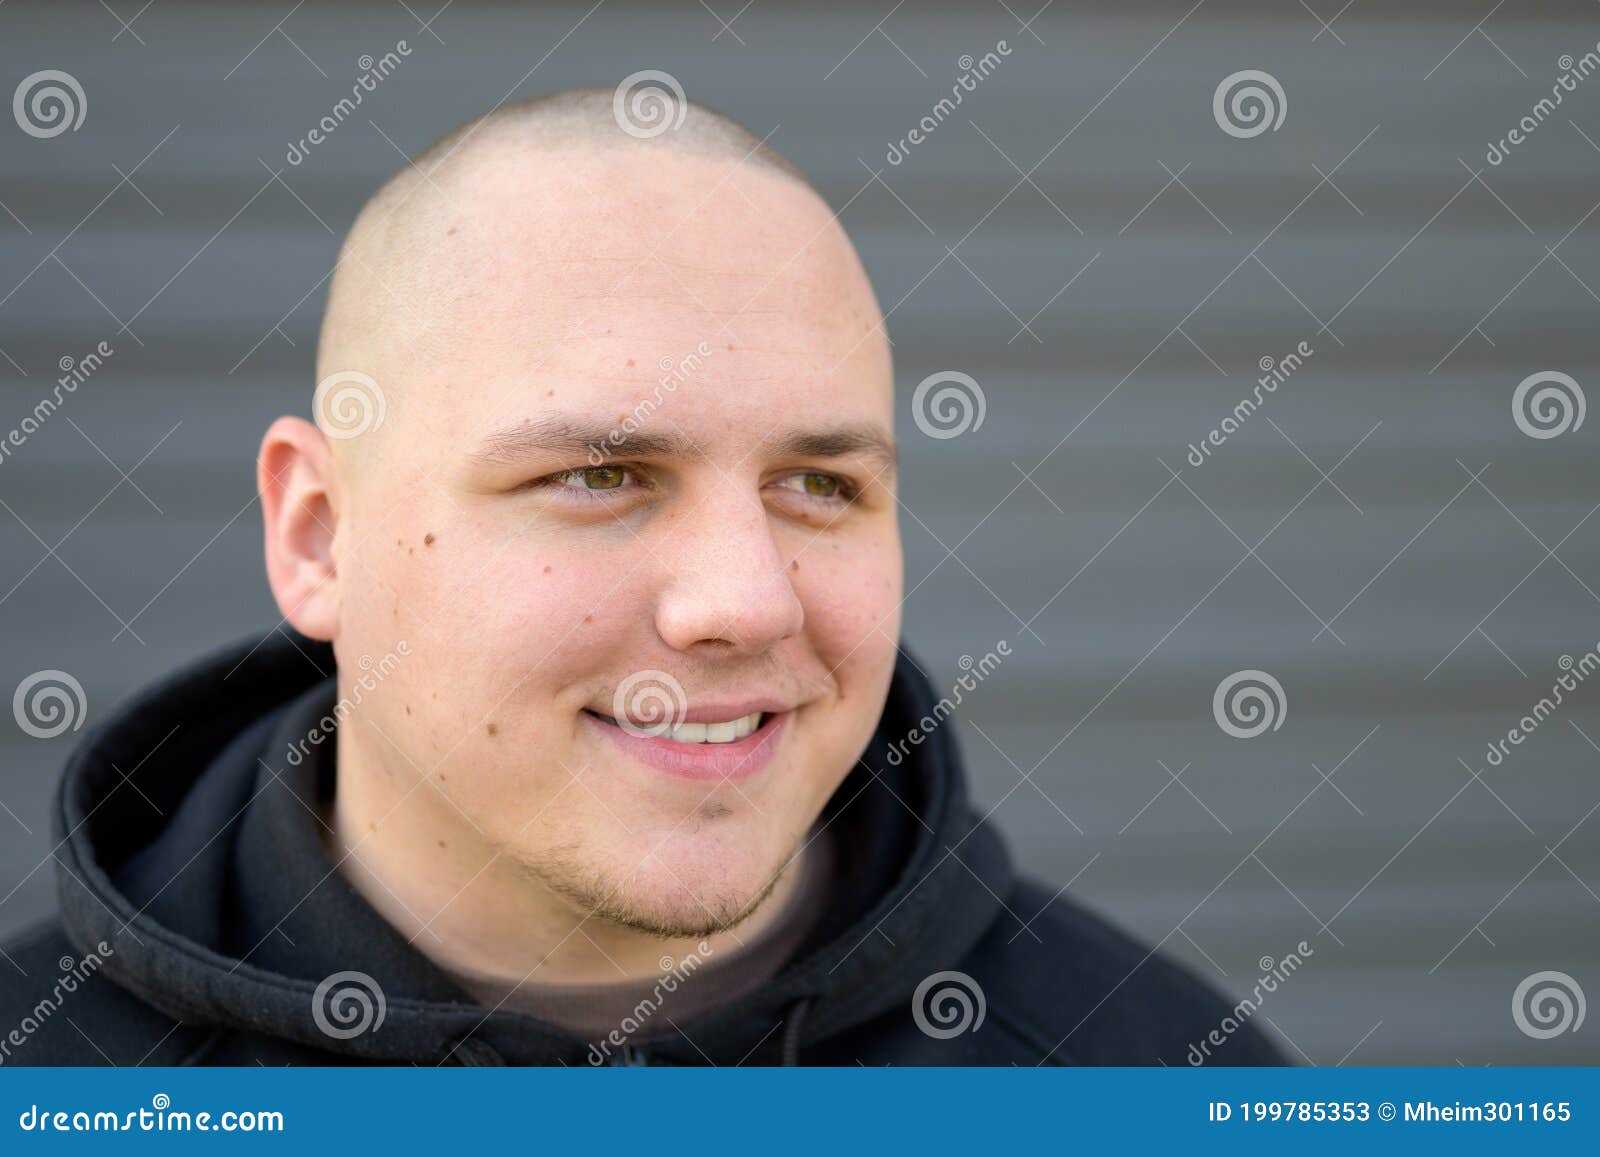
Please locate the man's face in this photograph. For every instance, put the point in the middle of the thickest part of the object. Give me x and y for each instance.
(703, 332)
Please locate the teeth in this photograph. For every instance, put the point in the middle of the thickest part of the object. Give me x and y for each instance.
(729, 732)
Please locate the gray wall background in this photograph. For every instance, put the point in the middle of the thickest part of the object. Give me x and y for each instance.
(1428, 282)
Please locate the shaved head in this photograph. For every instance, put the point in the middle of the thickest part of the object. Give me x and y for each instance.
(379, 297)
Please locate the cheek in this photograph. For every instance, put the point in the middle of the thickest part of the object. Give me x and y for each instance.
(529, 612)
(851, 593)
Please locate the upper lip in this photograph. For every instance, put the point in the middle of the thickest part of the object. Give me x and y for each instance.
(721, 711)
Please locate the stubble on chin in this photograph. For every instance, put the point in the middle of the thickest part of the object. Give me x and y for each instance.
(593, 893)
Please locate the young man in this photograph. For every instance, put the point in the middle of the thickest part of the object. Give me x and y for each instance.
(579, 749)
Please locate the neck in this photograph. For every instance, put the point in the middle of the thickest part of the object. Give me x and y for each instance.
(474, 910)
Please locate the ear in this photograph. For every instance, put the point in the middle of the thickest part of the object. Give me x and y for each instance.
(295, 478)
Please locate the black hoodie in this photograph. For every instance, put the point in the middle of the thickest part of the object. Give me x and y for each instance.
(204, 913)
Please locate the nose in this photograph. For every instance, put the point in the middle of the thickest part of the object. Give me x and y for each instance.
(728, 588)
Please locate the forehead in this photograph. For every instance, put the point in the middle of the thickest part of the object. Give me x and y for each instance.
(598, 278)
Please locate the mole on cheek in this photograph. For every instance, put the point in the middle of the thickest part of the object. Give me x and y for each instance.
(795, 565)
(492, 729)
(546, 570)
(427, 539)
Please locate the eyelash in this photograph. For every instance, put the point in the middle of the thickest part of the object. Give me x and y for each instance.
(847, 494)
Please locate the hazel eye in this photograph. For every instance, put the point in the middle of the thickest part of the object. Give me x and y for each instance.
(816, 485)
(599, 477)
(820, 485)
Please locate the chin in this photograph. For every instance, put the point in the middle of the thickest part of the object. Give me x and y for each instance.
(692, 885)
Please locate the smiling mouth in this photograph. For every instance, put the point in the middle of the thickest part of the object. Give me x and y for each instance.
(728, 731)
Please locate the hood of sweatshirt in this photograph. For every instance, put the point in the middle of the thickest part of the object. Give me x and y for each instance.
(189, 841)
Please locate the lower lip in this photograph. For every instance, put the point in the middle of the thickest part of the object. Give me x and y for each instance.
(734, 761)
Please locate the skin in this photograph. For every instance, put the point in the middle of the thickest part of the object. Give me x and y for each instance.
(478, 808)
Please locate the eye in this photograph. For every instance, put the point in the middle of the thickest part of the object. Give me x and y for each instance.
(607, 481)
(824, 487)
(597, 477)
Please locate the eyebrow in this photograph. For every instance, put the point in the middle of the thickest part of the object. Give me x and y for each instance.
(567, 437)
(868, 440)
